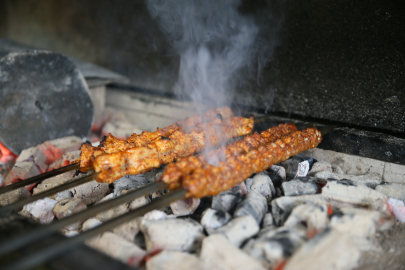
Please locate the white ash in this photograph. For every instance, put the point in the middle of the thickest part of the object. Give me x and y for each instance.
(218, 253)
(128, 182)
(66, 194)
(138, 202)
(106, 198)
(315, 216)
(254, 205)
(328, 250)
(90, 192)
(263, 185)
(42, 210)
(70, 233)
(320, 166)
(118, 248)
(300, 186)
(174, 260)
(336, 169)
(14, 195)
(275, 246)
(248, 183)
(397, 208)
(227, 200)
(128, 230)
(90, 224)
(68, 207)
(392, 190)
(370, 180)
(56, 181)
(172, 234)
(295, 167)
(213, 219)
(346, 191)
(267, 220)
(185, 206)
(112, 213)
(239, 229)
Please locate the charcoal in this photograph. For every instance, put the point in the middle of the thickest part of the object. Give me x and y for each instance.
(300, 186)
(21, 171)
(153, 174)
(172, 234)
(128, 182)
(239, 229)
(314, 216)
(277, 175)
(264, 186)
(90, 192)
(329, 250)
(35, 155)
(13, 196)
(154, 215)
(128, 230)
(392, 190)
(248, 183)
(117, 247)
(90, 223)
(112, 213)
(346, 191)
(320, 166)
(185, 206)
(360, 224)
(275, 246)
(336, 169)
(371, 180)
(66, 194)
(267, 220)
(54, 182)
(397, 208)
(227, 200)
(213, 219)
(282, 207)
(169, 260)
(1, 180)
(253, 204)
(68, 207)
(138, 202)
(66, 159)
(218, 253)
(295, 166)
(42, 210)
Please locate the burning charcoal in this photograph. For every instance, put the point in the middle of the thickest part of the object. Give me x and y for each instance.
(33, 154)
(172, 234)
(42, 210)
(239, 229)
(300, 186)
(264, 186)
(214, 219)
(68, 207)
(138, 202)
(314, 216)
(328, 250)
(13, 196)
(392, 190)
(336, 169)
(360, 224)
(21, 171)
(90, 224)
(170, 260)
(53, 149)
(185, 206)
(282, 207)
(218, 253)
(128, 182)
(370, 180)
(277, 174)
(397, 208)
(296, 167)
(112, 213)
(254, 205)
(226, 201)
(117, 247)
(346, 191)
(90, 192)
(128, 230)
(267, 220)
(321, 166)
(275, 246)
(55, 181)
(66, 159)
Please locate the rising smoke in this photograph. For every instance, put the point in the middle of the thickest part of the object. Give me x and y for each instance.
(219, 46)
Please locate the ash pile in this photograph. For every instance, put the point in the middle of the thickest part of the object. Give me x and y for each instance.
(318, 210)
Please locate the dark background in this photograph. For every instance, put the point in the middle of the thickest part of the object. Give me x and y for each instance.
(340, 61)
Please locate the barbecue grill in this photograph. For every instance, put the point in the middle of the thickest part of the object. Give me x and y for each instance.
(337, 66)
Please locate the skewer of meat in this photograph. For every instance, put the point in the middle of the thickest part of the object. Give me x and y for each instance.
(185, 166)
(211, 180)
(165, 149)
(110, 144)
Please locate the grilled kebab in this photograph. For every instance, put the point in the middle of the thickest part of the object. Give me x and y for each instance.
(165, 149)
(211, 180)
(110, 144)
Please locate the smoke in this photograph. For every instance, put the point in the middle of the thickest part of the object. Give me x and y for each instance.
(219, 46)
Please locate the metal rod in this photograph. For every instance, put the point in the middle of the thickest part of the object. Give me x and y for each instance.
(18, 204)
(39, 178)
(39, 256)
(45, 230)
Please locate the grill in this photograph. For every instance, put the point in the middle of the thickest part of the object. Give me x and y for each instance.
(314, 69)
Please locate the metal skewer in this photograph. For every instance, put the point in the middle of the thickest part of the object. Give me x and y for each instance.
(41, 255)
